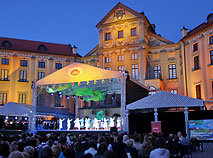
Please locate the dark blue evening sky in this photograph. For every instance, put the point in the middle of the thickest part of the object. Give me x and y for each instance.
(73, 21)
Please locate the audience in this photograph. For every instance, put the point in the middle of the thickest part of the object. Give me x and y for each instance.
(92, 145)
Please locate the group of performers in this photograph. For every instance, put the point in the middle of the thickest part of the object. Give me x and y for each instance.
(91, 124)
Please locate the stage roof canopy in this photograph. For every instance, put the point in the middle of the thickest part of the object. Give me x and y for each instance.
(165, 99)
(78, 79)
(78, 72)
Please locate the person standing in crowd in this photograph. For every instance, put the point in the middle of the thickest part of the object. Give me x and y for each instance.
(92, 150)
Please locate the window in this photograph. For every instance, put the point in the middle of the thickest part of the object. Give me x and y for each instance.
(3, 98)
(133, 31)
(195, 47)
(6, 44)
(172, 71)
(41, 75)
(42, 48)
(120, 68)
(174, 91)
(23, 76)
(58, 65)
(24, 63)
(198, 91)
(211, 57)
(156, 72)
(107, 59)
(41, 64)
(120, 34)
(4, 75)
(108, 68)
(134, 56)
(211, 40)
(107, 36)
(22, 98)
(196, 63)
(135, 71)
(120, 58)
(5, 61)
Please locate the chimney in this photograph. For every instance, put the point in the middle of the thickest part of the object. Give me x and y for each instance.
(184, 31)
(74, 49)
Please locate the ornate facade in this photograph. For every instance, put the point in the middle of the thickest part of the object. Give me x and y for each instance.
(128, 41)
(23, 62)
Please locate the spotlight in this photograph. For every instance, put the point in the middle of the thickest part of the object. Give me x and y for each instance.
(59, 92)
(51, 93)
(67, 97)
(25, 118)
(16, 118)
(60, 95)
(6, 117)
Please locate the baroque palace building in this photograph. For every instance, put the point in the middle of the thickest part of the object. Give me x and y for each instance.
(128, 41)
(23, 62)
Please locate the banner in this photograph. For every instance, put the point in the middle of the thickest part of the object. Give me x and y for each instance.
(156, 126)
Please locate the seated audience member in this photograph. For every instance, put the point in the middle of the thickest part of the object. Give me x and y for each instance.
(46, 152)
(69, 153)
(92, 149)
(88, 155)
(101, 150)
(29, 150)
(56, 151)
(4, 149)
(109, 154)
(16, 154)
(161, 151)
(119, 147)
(130, 150)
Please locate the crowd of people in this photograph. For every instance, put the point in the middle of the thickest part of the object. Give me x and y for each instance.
(108, 145)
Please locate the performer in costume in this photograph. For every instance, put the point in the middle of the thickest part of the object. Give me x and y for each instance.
(119, 123)
(111, 120)
(87, 123)
(82, 122)
(77, 123)
(69, 123)
(96, 124)
(105, 125)
(60, 123)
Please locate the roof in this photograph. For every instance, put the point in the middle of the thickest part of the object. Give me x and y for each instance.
(17, 109)
(198, 28)
(32, 46)
(165, 99)
(92, 51)
(14, 109)
(78, 72)
(116, 7)
(162, 38)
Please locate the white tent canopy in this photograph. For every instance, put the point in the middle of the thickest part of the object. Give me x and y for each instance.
(78, 72)
(14, 109)
(165, 99)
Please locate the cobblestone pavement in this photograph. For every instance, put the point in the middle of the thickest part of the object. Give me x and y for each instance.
(207, 151)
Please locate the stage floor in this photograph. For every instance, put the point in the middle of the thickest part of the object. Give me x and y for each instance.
(74, 131)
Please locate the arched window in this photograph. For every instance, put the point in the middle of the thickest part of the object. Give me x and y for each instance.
(42, 48)
(6, 44)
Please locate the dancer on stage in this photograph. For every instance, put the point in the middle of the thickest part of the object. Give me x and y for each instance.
(105, 124)
(60, 123)
(96, 124)
(82, 123)
(119, 123)
(77, 124)
(111, 120)
(87, 123)
(69, 123)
